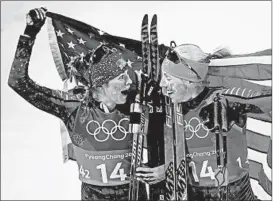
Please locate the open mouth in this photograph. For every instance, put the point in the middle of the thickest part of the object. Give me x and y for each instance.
(125, 92)
(169, 92)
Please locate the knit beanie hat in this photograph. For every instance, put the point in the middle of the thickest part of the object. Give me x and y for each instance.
(106, 63)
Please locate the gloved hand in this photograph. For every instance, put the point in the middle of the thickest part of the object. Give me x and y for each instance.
(35, 20)
(153, 90)
(215, 114)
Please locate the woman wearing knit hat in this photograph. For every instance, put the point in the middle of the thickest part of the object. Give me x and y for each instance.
(98, 131)
(184, 80)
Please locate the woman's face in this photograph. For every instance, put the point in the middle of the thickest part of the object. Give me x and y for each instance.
(176, 89)
(117, 89)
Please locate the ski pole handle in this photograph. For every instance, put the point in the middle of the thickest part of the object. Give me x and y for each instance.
(216, 116)
(224, 117)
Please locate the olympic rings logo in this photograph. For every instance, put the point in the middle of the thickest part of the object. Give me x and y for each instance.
(94, 128)
(195, 130)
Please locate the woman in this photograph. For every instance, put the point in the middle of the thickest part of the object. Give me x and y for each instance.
(184, 80)
(98, 131)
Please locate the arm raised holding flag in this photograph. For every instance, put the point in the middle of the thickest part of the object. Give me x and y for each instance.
(55, 102)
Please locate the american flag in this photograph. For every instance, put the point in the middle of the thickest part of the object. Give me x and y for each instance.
(248, 77)
(245, 77)
(71, 39)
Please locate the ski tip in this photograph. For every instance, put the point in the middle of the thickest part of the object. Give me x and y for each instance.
(154, 20)
(154, 17)
(145, 19)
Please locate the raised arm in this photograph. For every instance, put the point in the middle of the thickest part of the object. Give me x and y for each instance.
(55, 102)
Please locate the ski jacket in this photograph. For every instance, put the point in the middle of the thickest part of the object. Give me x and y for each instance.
(201, 142)
(102, 142)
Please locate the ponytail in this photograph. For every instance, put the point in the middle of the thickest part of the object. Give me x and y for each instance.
(219, 53)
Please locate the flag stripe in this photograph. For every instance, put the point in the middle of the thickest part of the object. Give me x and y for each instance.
(262, 159)
(228, 82)
(269, 154)
(53, 43)
(257, 142)
(241, 61)
(257, 173)
(265, 52)
(247, 71)
(263, 128)
(266, 118)
(259, 191)
(71, 153)
(255, 66)
(259, 128)
(267, 83)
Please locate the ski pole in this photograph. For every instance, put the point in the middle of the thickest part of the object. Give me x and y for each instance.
(221, 173)
(224, 128)
(174, 153)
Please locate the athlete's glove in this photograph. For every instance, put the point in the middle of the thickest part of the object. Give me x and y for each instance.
(35, 20)
(214, 115)
(153, 91)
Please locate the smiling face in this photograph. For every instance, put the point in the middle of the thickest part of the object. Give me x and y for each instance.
(116, 90)
(177, 89)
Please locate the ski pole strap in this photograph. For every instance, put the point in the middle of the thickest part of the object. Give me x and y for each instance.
(139, 119)
(225, 148)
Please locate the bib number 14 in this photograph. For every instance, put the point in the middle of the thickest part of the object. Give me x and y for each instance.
(206, 171)
(116, 173)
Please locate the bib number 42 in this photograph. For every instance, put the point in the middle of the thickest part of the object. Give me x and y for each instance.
(85, 173)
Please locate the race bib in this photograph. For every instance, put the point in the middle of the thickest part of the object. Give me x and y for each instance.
(103, 168)
(201, 144)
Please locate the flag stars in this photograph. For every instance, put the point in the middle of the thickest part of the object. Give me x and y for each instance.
(82, 55)
(72, 59)
(69, 30)
(70, 65)
(59, 33)
(81, 41)
(129, 63)
(101, 32)
(71, 45)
